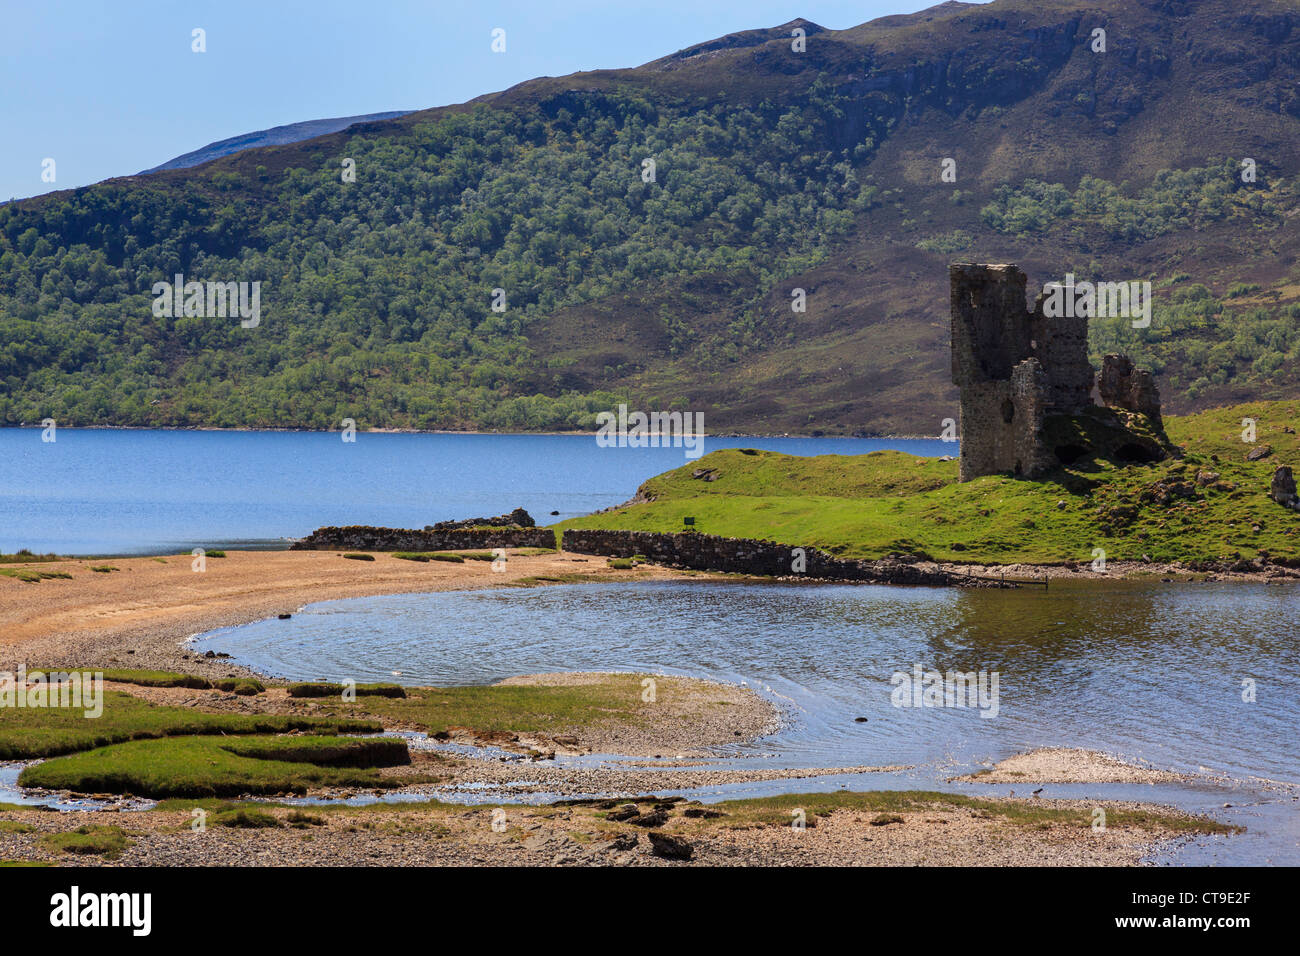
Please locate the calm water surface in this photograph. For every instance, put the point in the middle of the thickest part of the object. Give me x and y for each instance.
(95, 491)
(1147, 671)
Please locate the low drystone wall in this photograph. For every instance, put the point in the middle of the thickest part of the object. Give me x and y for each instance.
(709, 552)
(367, 538)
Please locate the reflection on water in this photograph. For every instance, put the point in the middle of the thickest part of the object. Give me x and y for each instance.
(1149, 671)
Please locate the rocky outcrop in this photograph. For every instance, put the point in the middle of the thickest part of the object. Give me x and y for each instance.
(669, 847)
(368, 538)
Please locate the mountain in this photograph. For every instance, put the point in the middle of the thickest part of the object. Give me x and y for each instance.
(275, 136)
(774, 171)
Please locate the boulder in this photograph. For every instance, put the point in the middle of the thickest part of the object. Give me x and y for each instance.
(1282, 488)
(670, 847)
(656, 818)
(1262, 451)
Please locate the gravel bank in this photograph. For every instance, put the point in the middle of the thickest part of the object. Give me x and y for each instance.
(1066, 765)
(551, 836)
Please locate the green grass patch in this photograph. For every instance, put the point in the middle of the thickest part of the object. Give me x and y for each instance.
(33, 575)
(26, 557)
(217, 767)
(539, 580)
(13, 826)
(358, 556)
(870, 506)
(428, 556)
(106, 841)
(246, 819)
(30, 733)
(103, 568)
(243, 686)
(325, 751)
(886, 805)
(214, 554)
(615, 698)
(148, 678)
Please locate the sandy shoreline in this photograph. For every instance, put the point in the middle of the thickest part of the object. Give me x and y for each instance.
(137, 615)
(987, 833)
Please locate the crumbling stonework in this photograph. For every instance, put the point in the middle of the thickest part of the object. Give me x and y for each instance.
(519, 518)
(1123, 385)
(368, 538)
(1017, 367)
(710, 552)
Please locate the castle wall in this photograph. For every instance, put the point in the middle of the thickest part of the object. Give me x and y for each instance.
(710, 552)
(1015, 367)
(1122, 385)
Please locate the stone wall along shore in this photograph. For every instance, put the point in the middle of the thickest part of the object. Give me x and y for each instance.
(368, 538)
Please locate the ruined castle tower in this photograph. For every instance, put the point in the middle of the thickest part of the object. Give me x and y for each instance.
(1015, 367)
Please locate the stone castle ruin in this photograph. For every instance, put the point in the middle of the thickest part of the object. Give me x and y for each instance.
(1021, 373)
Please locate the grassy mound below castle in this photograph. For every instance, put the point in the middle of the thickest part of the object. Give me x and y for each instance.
(1212, 504)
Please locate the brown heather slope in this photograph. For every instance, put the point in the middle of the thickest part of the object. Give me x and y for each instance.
(1011, 90)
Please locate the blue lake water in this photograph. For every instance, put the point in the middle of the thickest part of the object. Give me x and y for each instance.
(95, 491)
(1148, 671)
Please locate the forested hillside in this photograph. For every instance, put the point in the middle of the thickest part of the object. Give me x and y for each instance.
(670, 285)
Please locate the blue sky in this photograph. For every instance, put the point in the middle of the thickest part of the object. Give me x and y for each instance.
(111, 87)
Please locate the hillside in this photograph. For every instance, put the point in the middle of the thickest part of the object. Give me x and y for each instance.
(275, 136)
(1210, 506)
(774, 171)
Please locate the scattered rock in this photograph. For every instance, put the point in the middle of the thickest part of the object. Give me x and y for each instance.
(284, 617)
(670, 847)
(626, 812)
(1263, 451)
(656, 818)
(885, 819)
(623, 842)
